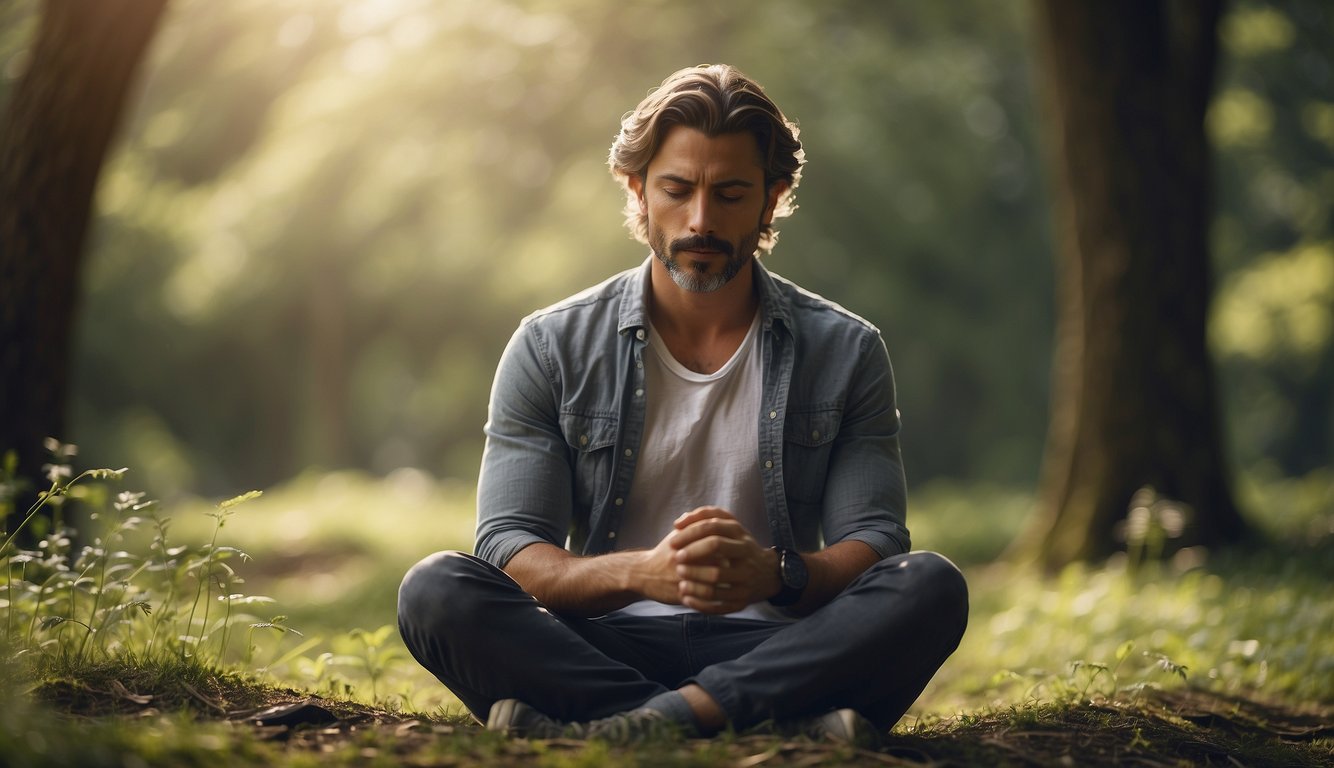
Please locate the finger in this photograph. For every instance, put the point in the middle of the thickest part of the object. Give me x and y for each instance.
(708, 574)
(729, 529)
(711, 551)
(700, 513)
(721, 525)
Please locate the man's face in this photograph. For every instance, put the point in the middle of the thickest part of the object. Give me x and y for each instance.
(706, 204)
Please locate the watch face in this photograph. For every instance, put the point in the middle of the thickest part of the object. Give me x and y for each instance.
(794, 571)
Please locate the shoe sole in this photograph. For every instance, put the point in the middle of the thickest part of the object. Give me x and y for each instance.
(846, 726)
(501, 716)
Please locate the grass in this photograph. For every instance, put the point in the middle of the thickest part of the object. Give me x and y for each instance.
(292, 595)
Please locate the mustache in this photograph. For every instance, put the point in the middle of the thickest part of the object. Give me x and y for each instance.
(701, 242)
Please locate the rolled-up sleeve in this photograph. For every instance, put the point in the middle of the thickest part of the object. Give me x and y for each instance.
(865, 493)
(524, 489)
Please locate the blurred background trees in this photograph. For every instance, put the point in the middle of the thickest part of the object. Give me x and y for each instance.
(1134, 400)
(54, 136)
(325, 220)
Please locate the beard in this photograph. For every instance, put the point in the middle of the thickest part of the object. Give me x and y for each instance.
(694, 275)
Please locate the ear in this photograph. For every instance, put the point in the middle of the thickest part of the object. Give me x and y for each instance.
(772, 195)
(635, 183)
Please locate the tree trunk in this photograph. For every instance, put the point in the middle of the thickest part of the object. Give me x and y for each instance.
(1126, 85)
(53, 139)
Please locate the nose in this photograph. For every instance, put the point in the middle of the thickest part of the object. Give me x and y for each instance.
(701, 214)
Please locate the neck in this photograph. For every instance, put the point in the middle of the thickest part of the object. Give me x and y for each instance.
(702, 330)
(702, 315)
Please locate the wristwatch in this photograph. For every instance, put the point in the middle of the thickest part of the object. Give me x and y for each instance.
(793, 576)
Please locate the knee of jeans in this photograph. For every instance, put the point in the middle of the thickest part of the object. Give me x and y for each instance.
(430, 596)
(941, 581)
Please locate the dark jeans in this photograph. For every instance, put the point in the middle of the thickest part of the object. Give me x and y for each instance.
(873, 648)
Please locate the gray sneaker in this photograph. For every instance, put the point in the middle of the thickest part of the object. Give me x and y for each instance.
(636, 727)
(843, 726)
(514, 718)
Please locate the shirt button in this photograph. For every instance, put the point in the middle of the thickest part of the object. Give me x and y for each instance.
(619, 501)
(768, 465)
(583, 439)
(629, 452)
(773, 414)
(639, 363)
(611, 535)
(639, 334)
(815, 435)
(639, 393)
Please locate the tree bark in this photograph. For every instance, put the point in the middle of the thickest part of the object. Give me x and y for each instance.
(1126, 85)
(53, 139)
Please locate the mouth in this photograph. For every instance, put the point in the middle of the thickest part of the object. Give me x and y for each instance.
(703, 248)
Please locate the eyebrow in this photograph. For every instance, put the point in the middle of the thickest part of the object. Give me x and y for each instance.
(687, 182)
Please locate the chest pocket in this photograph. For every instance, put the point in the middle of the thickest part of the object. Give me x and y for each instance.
(591, 440)
(808, 441)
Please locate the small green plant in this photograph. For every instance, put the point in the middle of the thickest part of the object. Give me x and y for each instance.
(132, 593)
(103, 600)
(369, 652)
(210, 569)
(1092, 670)
(1151, 523)
(1088, 681)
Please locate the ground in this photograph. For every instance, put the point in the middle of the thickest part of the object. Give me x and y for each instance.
(251, 722)
(1224, 659)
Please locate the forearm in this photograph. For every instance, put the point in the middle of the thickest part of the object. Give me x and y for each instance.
(831, 570)
(584, 586)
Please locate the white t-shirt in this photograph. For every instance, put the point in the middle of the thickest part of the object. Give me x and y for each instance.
(700, 448)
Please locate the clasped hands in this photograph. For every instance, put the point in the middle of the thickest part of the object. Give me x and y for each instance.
(710, 563)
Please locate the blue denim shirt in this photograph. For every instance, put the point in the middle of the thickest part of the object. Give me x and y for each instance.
(566, 421)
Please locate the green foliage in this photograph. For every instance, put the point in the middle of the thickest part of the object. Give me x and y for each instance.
(132, 594)
(1236, 623)
(1233, 621)
(94, 602)
(1087, 650)
(353, 207)
(1086, 682)
(1272, 327)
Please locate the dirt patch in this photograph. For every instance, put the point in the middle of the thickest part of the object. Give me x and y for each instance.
(1166, 728)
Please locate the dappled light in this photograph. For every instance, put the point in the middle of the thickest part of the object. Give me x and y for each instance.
(320, 223)
(339, 205)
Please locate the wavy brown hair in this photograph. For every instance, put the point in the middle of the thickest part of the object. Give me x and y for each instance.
(716, 99)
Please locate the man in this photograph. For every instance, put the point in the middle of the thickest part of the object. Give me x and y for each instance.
(691, 502)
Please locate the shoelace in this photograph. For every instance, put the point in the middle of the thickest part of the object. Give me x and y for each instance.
(629, 727)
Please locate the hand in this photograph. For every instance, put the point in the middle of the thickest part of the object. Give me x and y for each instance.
(720, 566)
(653, 573)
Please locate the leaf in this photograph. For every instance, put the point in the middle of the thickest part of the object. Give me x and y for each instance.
(1124, 649)
(236, 500)
(107, 474)
(272, 625)
(220, 553)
